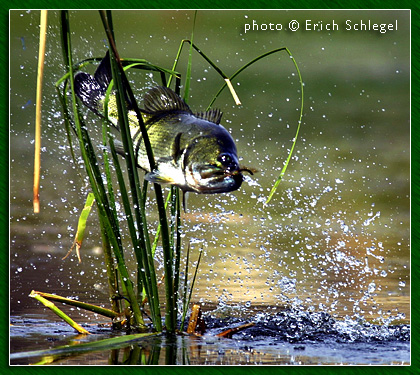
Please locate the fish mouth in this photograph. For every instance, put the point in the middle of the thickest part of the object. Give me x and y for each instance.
(218, 180)
(212, 179)
(218, 173)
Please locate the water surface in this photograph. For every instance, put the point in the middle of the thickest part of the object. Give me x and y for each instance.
(335, 238)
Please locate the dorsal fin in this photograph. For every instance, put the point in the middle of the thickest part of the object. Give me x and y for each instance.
(163, 99)
(213, 115)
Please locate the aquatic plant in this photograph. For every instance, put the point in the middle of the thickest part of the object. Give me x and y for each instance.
(124, 292)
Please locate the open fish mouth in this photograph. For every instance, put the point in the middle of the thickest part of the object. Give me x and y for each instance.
(213, 179)
(222, 173)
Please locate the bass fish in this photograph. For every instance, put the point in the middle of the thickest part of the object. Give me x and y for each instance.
(191, 150)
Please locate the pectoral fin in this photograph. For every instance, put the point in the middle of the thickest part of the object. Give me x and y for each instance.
(158, 177)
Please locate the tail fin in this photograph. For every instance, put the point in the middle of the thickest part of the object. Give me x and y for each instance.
(91, 89)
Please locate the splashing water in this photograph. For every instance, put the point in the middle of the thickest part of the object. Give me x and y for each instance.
(332, 247)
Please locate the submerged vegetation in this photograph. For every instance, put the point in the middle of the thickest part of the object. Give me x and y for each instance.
(131, 298)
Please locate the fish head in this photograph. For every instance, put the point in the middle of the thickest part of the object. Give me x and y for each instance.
(213, 166)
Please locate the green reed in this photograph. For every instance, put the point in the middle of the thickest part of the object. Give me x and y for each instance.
(133, 194)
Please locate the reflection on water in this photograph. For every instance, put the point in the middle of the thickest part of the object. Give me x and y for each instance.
(289, 337)
(336, 236)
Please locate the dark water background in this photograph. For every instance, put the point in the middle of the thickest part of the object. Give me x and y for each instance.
(336, 237)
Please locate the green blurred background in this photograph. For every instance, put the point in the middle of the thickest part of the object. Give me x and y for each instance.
(336, 237)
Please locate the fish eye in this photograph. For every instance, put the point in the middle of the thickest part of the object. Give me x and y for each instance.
(228, 161)
(225, 159)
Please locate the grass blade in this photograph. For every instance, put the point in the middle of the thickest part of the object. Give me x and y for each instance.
(122, 87)
(189, 66)
(276, 184)
(177, 232)
(40, 76)
(81, 226)
(95, 178)
(101, 345)
(187, 296)
(72, 302)
(215, 67)
(58, 312)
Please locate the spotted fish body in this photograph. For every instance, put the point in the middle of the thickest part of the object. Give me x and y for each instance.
(191, 151)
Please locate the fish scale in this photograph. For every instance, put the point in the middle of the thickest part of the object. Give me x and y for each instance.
(191, 151)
